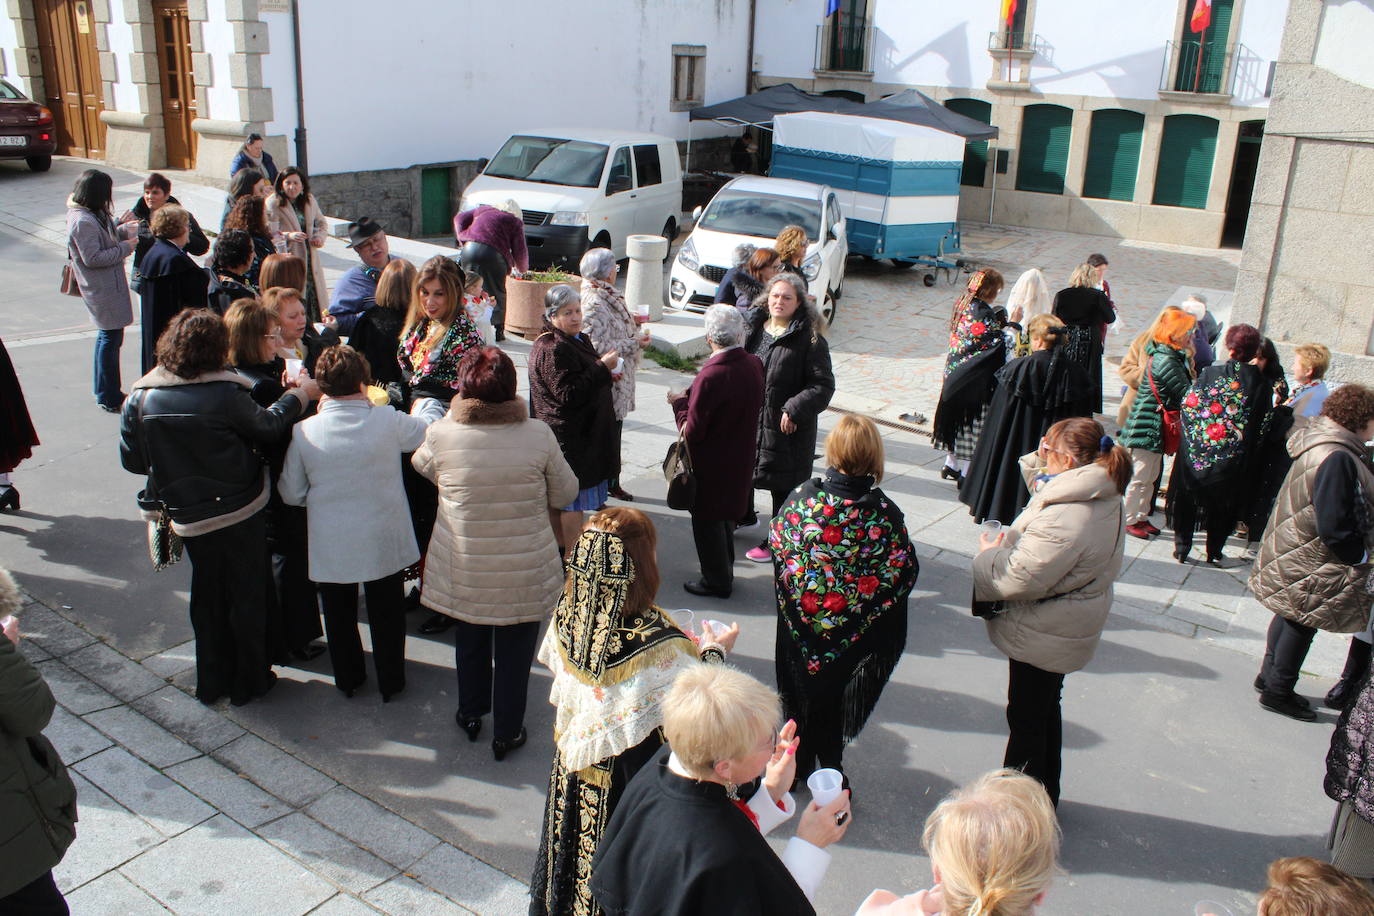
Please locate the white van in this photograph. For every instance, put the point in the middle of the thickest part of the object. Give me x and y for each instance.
(583, 189)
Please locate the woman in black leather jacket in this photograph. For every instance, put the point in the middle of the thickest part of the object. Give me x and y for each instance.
(192, 427)
(253, 339)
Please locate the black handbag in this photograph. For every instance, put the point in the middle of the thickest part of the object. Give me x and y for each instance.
(682, 481)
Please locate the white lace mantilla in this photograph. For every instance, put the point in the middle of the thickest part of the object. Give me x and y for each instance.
(594, 722)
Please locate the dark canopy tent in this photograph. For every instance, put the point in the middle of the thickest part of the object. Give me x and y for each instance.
(912, 107)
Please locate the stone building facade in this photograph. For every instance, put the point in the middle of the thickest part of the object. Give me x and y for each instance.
(1306, 272)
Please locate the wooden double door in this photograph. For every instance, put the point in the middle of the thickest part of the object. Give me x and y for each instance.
(178, 86)
(71, 75)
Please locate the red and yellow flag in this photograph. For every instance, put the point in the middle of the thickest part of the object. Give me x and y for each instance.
(1009, 11)
(1202, 15)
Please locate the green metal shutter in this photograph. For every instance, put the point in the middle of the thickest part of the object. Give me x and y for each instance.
(1113, 154)
(1045, 133)
(1214, 47)
(976, 151)
(1186, 152)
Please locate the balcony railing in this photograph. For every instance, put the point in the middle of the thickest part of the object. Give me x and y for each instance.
(1006, 40)
(844, 47)
(1191, 66)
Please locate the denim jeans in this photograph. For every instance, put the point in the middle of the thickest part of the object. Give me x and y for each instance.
(107, 388)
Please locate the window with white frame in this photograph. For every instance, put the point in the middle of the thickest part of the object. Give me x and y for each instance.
(689, 76)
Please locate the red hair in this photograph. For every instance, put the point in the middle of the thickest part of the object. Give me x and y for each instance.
(1173, 327)
(486, 373)
(1243, 341)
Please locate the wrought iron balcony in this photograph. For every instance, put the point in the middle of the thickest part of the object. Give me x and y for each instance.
(1006, 41)
(1194, 67)
(844, 47)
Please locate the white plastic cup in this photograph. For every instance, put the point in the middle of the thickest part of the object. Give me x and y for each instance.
(320, 326)
(683, 618)
(642, 314)
(294, 367)
(619, 369)
(991, 527)
(825, 785)
(720, 626)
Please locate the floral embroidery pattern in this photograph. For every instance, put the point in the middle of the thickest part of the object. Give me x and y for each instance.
(1214, 415)
(841, 566)
(971, 336)
(440, 363)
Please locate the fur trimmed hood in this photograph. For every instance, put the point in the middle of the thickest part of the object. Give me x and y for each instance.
(486, 413)
(159, 377)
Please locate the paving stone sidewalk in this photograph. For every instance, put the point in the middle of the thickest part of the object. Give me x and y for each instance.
(171, 792)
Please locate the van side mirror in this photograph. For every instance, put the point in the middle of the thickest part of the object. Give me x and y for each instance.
(617, 184)
(482, 164)
(696, 214)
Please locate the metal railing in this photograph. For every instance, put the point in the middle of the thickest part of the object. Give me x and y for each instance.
(1193, 66)
(1008, 40)
(844, 46)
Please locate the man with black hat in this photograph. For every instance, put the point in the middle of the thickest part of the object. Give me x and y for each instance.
(356, 291)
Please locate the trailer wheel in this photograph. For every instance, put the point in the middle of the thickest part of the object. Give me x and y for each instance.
(828, 308)
(901, 265)
(928, 279)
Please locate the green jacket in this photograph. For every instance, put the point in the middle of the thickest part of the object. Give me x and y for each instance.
(1143, 427)
(37, 798)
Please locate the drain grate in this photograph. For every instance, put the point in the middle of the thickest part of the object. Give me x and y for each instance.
(880, 421)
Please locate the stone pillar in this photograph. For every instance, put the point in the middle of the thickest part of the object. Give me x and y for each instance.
(644, 284)
(1149, 159)
(220, 139)
(28, 65)
(1228, 133)
(136, 139)
(1079, 130)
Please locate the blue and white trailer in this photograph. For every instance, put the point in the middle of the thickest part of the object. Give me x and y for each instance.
(898, 183)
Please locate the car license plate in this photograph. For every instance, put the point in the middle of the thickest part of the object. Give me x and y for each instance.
(14, 141)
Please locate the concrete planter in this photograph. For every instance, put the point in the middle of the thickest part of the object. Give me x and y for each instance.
(525, 304)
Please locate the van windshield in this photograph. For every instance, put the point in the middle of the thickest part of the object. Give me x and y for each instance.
(762, 215)
(574, 163)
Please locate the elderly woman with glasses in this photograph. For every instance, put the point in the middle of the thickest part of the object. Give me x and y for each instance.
(680, 842)
(570, 390)
(610, 326)
(719, 420)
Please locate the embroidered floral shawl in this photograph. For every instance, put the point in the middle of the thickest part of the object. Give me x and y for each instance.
(439, 363)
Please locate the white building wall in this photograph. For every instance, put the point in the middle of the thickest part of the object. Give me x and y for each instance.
(279, 75)
(121, 38)
(218, 36)
(9, 60)
(419, 82)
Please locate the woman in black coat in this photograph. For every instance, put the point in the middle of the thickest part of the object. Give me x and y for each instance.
(785, 333)
(171, 280)
(719, 419)
(157, 192)
(377, 333)
(1087, 311)
(570, 390)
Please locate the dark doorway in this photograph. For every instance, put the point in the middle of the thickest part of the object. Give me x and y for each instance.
(1242, 184)
(71, 75)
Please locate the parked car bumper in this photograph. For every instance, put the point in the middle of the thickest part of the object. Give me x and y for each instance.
(556, 245)
(36, 141)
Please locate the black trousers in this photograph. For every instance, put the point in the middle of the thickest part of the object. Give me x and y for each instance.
(1219, 525)
(489, 263)
(1036, 725)
(230, 594)
(1284, 652)
(494, 672)
(40, 897)
(715, 541)
(296, 595)
(386, 620)
(617, 434)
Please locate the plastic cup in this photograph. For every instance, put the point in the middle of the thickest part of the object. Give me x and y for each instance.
(720, 626)
(825, 785)
(683, 617)
(320, 326)
(991, 527)
(619, 369)
(1211, 908)
(642, 314)
(294, 367)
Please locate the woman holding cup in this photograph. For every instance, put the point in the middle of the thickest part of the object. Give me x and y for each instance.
(844, 569)
(613, 654)
(298, 228)
(612, 327)
(1049, 576)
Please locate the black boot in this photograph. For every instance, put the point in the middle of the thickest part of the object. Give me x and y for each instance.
(1356, 667)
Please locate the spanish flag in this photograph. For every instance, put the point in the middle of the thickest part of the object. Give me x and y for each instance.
(1202, 15)
(1009, 11)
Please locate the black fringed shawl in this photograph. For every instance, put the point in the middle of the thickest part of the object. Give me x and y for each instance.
(977, 349)
(844, 568)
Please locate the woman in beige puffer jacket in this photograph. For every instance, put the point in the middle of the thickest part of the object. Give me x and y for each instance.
(1052, 572)
(492, 562)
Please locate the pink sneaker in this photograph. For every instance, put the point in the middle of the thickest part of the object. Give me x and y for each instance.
(759, 554)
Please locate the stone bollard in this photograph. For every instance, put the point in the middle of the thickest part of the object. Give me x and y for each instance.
(644, 283)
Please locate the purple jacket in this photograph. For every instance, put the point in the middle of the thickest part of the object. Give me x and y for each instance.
(497, 228)
(721, 414)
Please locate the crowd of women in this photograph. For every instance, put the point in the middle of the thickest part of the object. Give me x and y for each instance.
(294, 466)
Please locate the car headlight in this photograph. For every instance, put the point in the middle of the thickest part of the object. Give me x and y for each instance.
(811, 267)
(568, 218)
(677, 289)
(688, 257)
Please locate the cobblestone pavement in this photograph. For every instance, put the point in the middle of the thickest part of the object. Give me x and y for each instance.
(310, 803)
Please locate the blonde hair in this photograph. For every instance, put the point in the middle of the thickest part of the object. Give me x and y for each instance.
(1032, 293)
(1045, 327)
(275, 297)
(450, 276)
(170, 221)
(1304, 886)
(996, 843)
(791, 241)
(714, 713)
(855, 447)
(1084, 275)
(1315, 357)
(395, 284)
